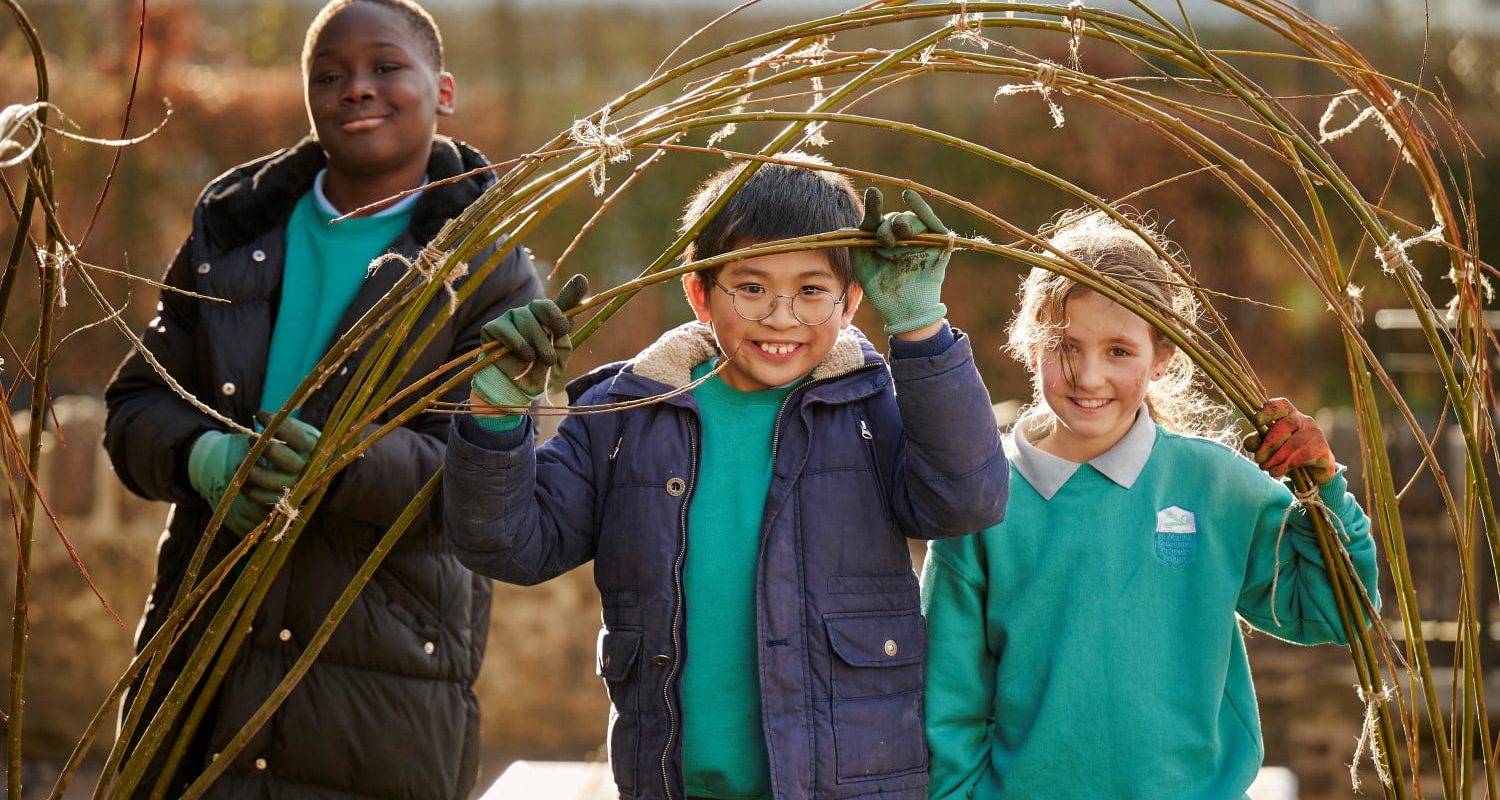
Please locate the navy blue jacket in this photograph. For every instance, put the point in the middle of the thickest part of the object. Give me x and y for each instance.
(859, 466)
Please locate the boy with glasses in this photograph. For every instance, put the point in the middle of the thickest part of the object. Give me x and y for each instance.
(761, 629)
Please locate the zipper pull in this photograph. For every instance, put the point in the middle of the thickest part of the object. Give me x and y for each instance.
(864, 431)
(616, 451)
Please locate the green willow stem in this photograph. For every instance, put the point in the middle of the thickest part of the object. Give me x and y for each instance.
(28, 204)
(532, 187)
(39, 171)
(319, 638)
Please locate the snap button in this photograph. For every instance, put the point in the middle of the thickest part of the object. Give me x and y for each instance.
(203, 268)
(604, 662)
(676, 486)
(260, 763)
(890, 648)
(259, 255)
(285, 635)
(429, 648)
(228, 388)
(660, 660)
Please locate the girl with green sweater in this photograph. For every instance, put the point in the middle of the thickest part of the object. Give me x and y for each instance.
(1089, 645)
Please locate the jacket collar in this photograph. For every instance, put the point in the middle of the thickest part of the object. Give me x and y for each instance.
(250, 199)
(667, 364)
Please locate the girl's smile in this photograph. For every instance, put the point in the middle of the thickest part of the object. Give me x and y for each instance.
(1095, 380)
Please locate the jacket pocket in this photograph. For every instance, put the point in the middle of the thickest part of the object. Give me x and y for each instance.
(619, 649)
(876, 677)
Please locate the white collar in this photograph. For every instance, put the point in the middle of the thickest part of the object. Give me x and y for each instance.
(327, 207)
(1047, 473)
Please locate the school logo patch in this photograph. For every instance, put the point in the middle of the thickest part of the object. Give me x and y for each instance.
(1175, 541)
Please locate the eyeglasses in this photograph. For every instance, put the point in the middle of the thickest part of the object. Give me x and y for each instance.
(754, 303)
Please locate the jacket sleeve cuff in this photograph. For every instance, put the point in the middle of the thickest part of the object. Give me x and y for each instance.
(934, 345)
(475, 432)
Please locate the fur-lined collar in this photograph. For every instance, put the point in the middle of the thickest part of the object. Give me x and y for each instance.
(670, 360)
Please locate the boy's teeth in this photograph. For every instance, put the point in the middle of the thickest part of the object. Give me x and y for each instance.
(1090, 403)
(777, 349)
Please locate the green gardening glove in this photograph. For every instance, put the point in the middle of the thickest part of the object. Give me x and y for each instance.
(217, 455)
(535, 337)
(903, 283)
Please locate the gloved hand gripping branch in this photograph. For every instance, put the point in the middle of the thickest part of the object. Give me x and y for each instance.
(1292, 440)
(537, 341)
(904, 284)
(217, 455)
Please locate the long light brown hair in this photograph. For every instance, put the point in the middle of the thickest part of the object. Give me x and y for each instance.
(1097, 241)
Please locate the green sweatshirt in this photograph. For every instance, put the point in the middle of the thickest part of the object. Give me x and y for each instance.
(1089, 645)
(324, 267)
(723, 746)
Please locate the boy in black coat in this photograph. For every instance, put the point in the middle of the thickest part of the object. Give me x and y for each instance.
(388, 709)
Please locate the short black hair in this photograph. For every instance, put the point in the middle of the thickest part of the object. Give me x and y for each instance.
(422, 24)
(778, 201)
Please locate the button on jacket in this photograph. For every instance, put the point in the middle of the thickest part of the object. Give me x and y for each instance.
(860, 464)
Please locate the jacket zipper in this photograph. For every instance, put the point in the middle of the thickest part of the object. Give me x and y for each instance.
(666, 688)
(666, 691)
(785, 401)
(864, 433)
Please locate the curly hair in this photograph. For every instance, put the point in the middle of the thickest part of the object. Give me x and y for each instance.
(1101, 243)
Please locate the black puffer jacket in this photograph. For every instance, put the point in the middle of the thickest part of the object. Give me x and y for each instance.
(388, 710)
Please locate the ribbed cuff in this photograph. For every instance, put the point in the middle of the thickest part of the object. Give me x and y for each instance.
(933, 345)
(472, 430)
(197, 461)
(509, 422)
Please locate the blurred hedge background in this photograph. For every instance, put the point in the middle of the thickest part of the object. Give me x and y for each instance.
(229, 70)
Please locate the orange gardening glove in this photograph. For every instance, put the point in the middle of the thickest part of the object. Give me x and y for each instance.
(1291, 440)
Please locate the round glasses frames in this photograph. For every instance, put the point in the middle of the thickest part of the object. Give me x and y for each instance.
(754, 303)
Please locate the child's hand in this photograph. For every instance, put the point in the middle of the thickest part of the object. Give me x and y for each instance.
(1292, 440)
(903, 283)
(216, 456)
(536, 339)
(281, 464)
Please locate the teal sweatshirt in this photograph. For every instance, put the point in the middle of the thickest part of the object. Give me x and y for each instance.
(324, 267)
(723, 747)
(1089, 645)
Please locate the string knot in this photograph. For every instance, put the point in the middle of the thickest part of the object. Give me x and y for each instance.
(429, 265)
(1392, 253)
(1309, 500)
(968, 27)
(284, 507)
(57, 260)
(1044, 82)
(1353, 302)
(1369, 733)
(1075, 30)
(609, 148)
